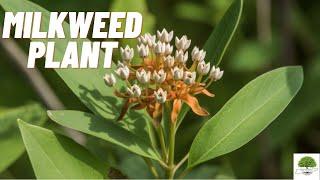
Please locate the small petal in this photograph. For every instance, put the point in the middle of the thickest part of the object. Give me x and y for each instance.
(123, 72)
(110, 80)
(176, 108)
(215, 73)
(160, 47)
(189, 77)
(143, 50)
(127, 54)
(143, 76)
(203, 68)
(160, 95)
(181, 57)
(169, 61)
(194, 104)
(168, 49)
(159, 77)
(177, 73)
(198, 55)
(183, 43)
(134, 91)
(164, 36)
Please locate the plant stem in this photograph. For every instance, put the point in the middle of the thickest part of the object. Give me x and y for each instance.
(151, 167)
(162, 143)
(170, 172)
(184, 159)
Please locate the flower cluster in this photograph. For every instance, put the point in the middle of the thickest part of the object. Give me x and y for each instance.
(163, 76)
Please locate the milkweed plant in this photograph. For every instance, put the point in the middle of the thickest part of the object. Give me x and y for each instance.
(140, 105)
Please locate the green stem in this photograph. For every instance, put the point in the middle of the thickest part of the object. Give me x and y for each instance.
(183, 160)
(162, 143)
(170, 171)
(151, 167)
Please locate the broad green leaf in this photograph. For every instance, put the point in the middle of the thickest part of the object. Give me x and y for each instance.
(219, 40)
(54, 156)
(87, 84)
(104, 129)
(11, 144)
(222, 34)
(307, 103)
(246, 114)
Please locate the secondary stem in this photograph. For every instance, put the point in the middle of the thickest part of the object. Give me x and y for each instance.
(184, 159)
(170, 172)
(151, 167)
(162, 143)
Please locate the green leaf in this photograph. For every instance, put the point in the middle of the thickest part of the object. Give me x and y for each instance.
(246, 114)
(55, 156)
(87, 84)
(11, 144)
(220, 38)
(104, 129)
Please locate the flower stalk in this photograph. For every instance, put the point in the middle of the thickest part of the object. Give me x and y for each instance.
(172, 136)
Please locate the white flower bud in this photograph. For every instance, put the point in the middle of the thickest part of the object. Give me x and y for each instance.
(169, 61)
(120, 65)
(147, 39)
(198, 55)
(216, 74)
(177, 73)
(164, 36)
(183, 43)
(110, 80)
(203, 68)
(143, 39)
(168, 49)
(159, 76)
(134, 91)
(123, 72)
(127, 54)
(143, 76)
(189, 77)
(160, 95)
(160, 47)
(143, 50)
(194, 50)
(181, 57)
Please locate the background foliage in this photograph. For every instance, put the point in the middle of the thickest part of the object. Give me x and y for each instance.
(290, 38)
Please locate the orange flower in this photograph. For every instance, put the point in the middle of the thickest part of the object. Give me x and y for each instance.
(162, 77)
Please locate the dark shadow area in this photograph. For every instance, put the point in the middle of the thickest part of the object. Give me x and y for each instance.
(81, 154)
(109, 108)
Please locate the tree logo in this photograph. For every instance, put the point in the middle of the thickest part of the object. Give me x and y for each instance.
(307, 165)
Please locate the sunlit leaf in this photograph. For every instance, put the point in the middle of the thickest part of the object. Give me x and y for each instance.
(246, 114)
(54, 156)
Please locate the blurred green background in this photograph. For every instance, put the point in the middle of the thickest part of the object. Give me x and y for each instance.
(271, 34)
